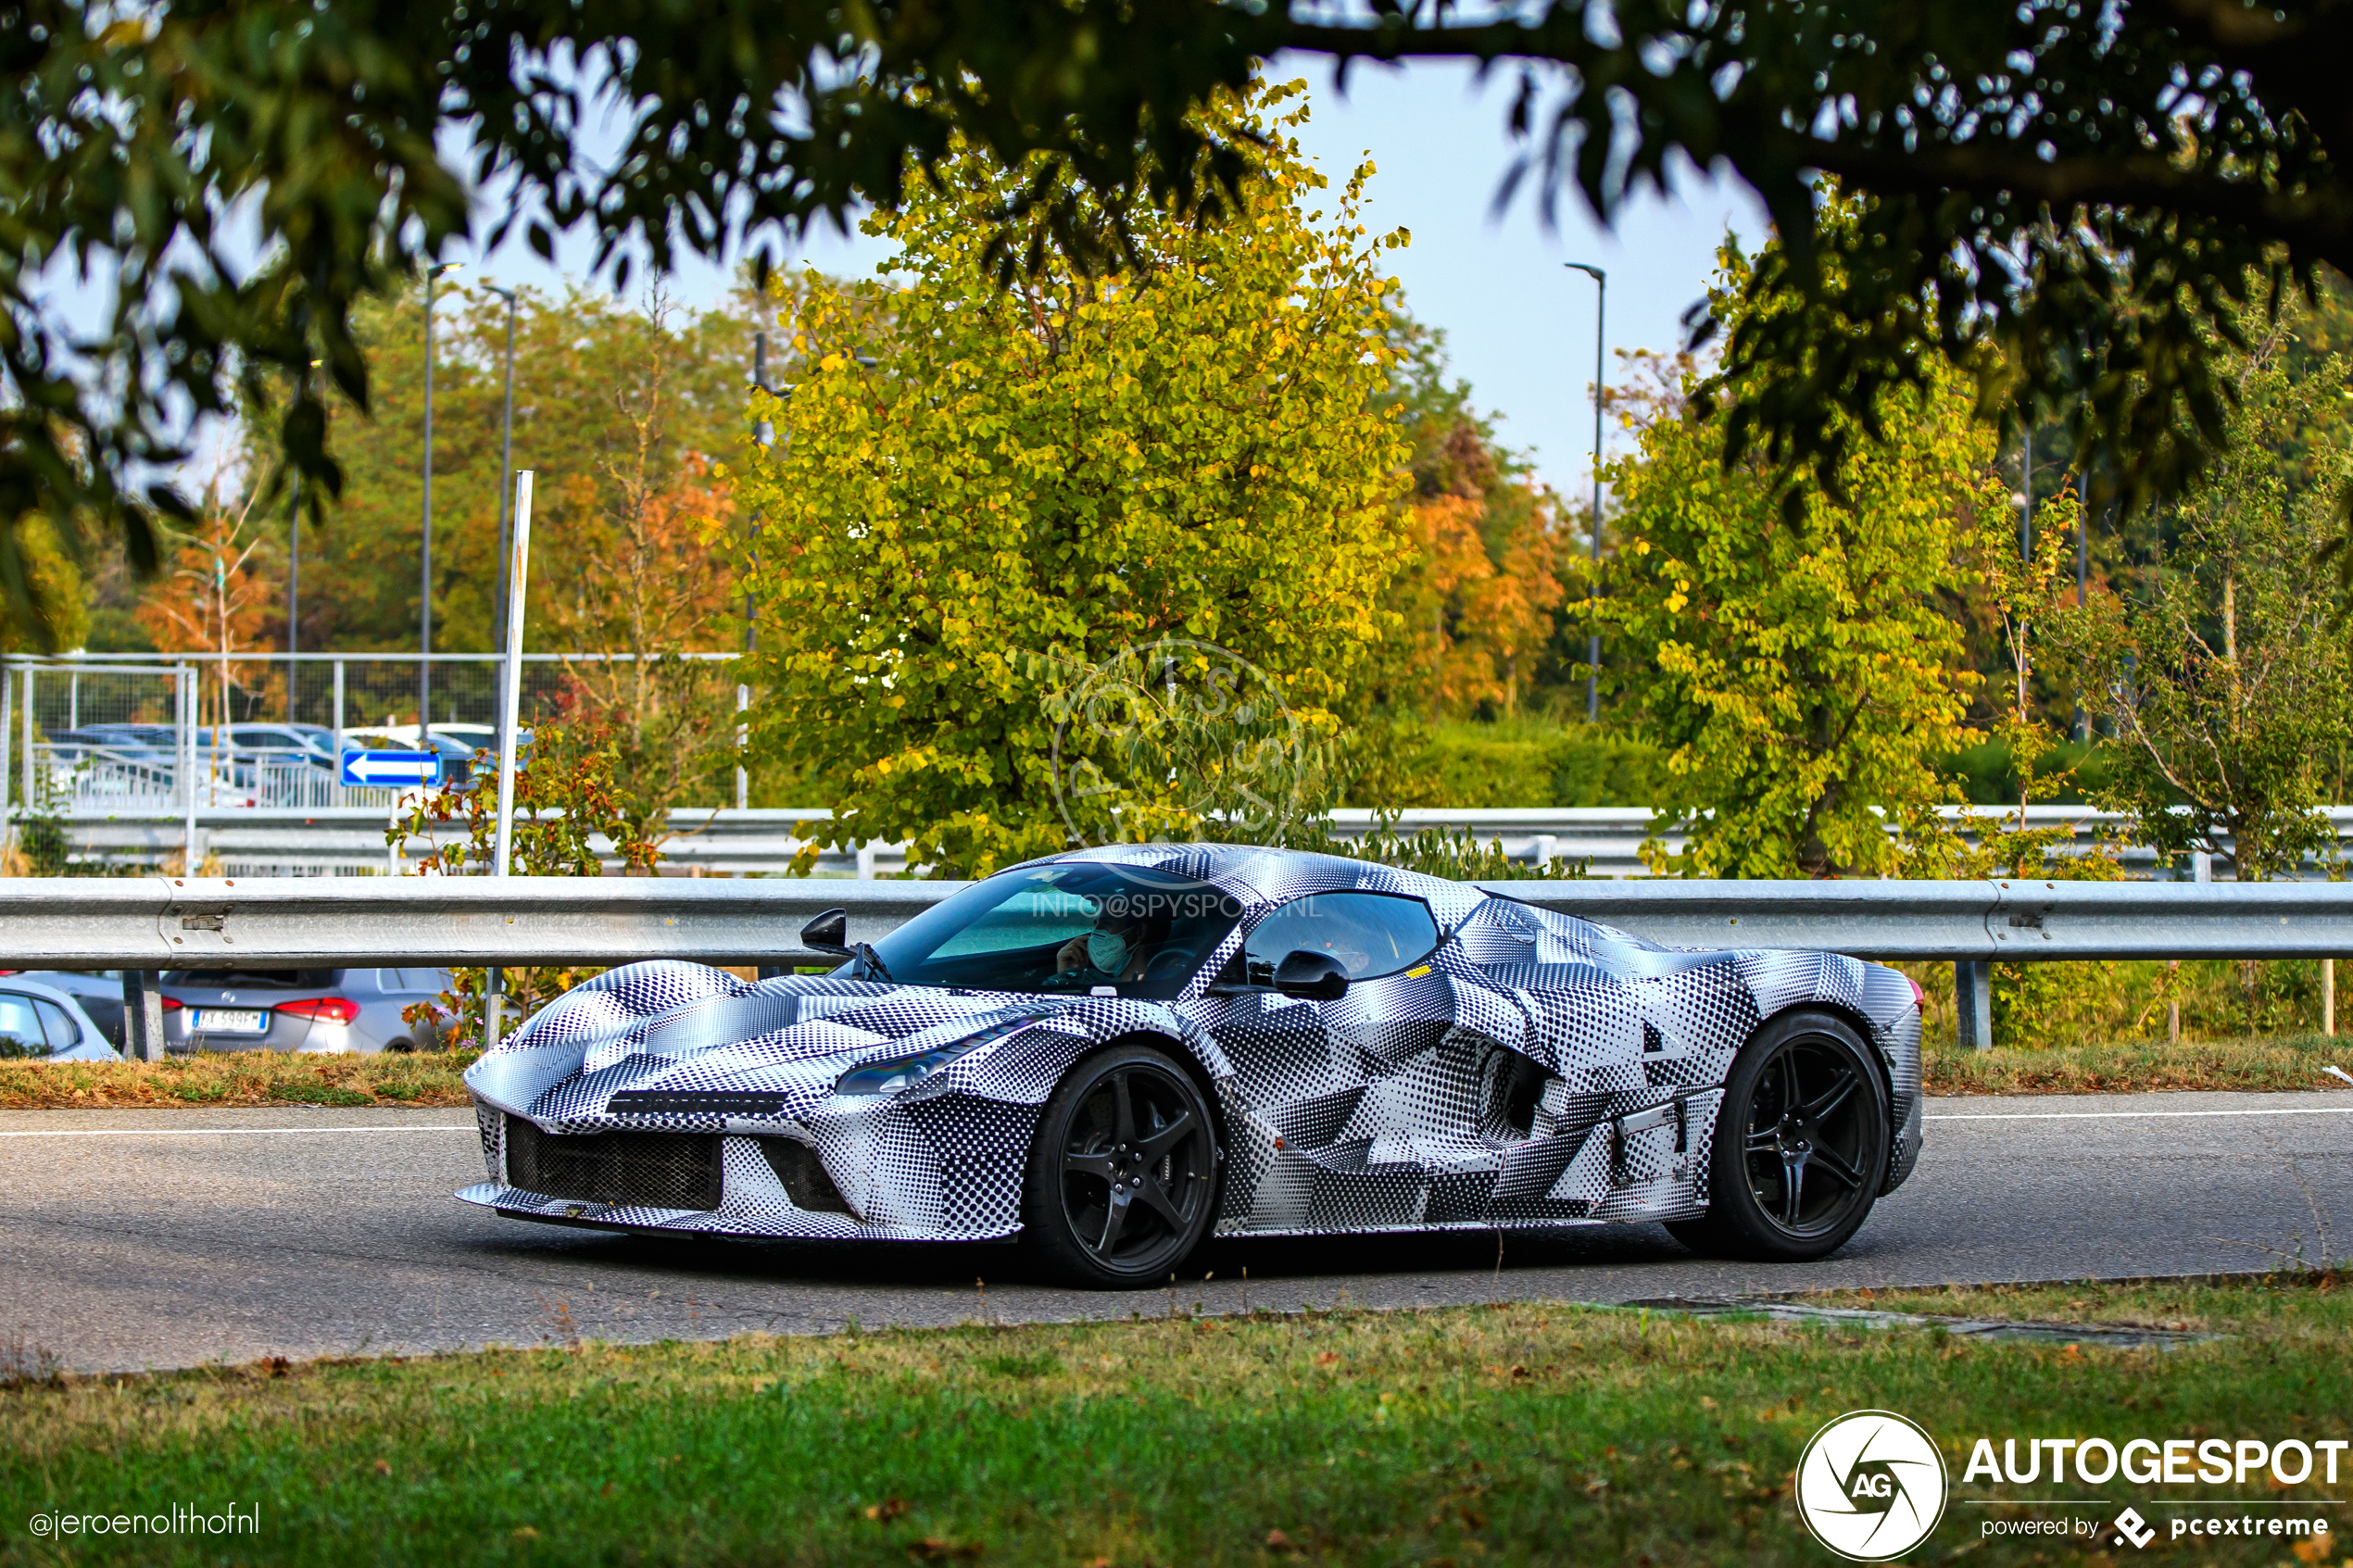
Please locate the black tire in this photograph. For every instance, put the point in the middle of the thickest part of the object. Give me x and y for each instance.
(1801, 1144)
(1122, 1183)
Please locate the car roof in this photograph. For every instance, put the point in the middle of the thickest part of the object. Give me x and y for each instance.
(45, 991)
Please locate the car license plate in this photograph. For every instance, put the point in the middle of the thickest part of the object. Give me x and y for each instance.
(232, 1021)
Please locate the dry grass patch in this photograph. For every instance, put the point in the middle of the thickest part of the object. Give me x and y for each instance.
(2285, 1061)
(419, 1078)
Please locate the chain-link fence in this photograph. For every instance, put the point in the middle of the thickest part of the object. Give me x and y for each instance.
(163, 738)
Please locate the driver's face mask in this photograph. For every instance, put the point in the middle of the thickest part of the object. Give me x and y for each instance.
(1107, 951)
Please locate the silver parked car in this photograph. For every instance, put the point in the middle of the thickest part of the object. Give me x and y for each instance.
(43, 1023)
(297, 1009)
(98, 990)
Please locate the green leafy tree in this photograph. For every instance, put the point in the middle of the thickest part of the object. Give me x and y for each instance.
(2229, 702)
(981, 499)
(619, 409)
(2084, 187)
(1790, 649)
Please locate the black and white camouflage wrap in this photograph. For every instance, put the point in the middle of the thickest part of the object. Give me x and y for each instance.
(1371, 1112)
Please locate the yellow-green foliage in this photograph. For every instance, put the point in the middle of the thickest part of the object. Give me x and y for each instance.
(1796, 660)
(1028, 479)
(2094, 1005)
(54, 613)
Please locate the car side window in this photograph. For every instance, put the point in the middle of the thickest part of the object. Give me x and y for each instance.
(59, 1024)
(20, 1031)
(1369, 935)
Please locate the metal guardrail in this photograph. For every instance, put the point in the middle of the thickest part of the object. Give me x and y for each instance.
(145, 926)
(258, 841)
(196, 923)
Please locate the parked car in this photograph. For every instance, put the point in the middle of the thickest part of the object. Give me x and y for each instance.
(98, 990)
(111, 760)
(288, 743)
(1110, 1053)
(297, 1009)
(44, 1024)
(133, 737)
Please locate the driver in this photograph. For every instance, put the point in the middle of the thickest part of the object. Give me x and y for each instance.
(1115, 950)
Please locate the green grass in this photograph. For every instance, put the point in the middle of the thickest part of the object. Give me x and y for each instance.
(1523, 1434)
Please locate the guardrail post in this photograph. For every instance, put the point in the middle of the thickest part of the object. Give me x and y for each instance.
(143, 1014)
(1973, 1003)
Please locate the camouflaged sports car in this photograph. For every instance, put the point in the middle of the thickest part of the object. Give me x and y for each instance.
(1111, 1053)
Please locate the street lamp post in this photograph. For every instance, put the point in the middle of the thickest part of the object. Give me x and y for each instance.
(1600, 340)
(293, 593)
(293, 599)
(424, 555)
(499, 609)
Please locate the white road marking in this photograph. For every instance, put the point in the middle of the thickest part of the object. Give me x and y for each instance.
(2131, 1115)
(220, 1131)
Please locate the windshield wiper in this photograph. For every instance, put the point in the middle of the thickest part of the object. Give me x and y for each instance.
(871, 963)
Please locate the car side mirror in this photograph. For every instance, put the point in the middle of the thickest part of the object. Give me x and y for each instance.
(1316, 977)
(829, 933)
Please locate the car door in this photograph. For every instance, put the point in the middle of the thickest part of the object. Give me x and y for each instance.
(1373, 1092)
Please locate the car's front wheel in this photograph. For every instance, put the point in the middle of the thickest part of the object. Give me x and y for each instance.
(1123, 1178)
(1801, 1144)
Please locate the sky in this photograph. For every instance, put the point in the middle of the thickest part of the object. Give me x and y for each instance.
(1518, 324)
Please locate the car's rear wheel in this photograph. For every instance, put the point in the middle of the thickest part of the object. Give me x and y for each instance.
(1801, 1144)
(1122, 1177)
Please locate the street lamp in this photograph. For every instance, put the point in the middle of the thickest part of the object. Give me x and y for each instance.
(500, 610)
(425, 569)
(294, 592)
(1594, 643)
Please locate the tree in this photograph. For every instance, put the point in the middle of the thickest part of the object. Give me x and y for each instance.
(2083, 187)
(1792, 654)
(992, 515)
(616, 407)
(2230, 703)
(218, 599)
(1476, 598)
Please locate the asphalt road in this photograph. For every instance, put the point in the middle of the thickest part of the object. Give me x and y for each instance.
(169, 1238)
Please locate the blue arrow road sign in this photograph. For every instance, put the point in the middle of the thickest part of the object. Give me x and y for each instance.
(392, 767)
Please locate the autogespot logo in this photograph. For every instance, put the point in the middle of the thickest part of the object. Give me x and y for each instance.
(1871, 1486)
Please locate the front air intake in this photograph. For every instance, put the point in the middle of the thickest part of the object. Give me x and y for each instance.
(640, 1170)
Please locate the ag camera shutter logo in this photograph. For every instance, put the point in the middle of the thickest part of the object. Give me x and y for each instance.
(1871, 1486)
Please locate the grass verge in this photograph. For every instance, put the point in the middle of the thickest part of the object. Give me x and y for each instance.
(2275, 1062)
(1540, 1433)
(419, 1078)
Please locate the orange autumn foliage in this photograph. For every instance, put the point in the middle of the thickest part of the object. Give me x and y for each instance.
(1478, 601)
(222, 597)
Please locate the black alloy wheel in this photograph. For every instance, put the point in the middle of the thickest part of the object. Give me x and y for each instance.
(1123, 1180)
(1801, 1144)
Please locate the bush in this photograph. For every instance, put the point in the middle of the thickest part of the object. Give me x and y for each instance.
(1512, 762)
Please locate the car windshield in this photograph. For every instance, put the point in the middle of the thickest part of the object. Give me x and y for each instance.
(1069, 927)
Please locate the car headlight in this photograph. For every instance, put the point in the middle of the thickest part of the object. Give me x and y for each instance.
(899, 1073)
